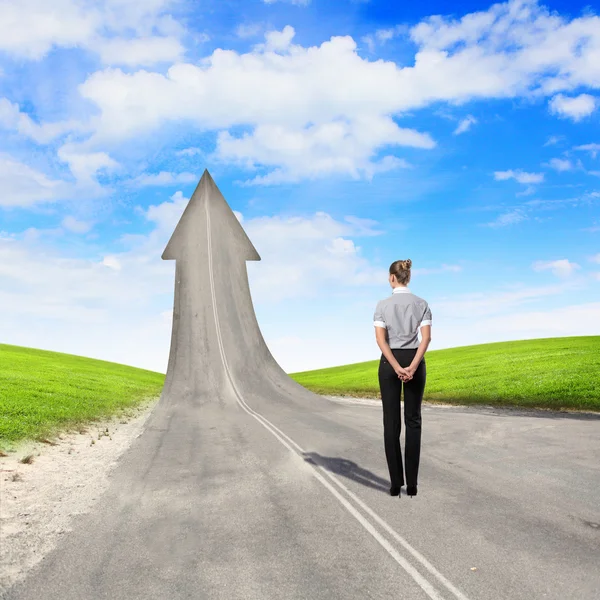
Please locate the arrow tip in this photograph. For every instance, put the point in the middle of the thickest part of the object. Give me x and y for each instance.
(207, 191)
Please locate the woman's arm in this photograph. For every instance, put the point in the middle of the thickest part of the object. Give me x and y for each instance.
(425, 340)
(380, 336)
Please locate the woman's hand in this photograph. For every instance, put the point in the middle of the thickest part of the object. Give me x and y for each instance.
(402, 373)
(407, 373)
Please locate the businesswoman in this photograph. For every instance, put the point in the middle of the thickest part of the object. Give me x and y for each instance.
(397, 320)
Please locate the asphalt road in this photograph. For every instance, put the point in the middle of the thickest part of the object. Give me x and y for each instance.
(270, 498)
(245, 485)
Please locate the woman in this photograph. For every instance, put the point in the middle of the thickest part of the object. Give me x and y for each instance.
(397, 320)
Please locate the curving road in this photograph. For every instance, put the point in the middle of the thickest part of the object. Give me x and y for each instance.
(246, 485)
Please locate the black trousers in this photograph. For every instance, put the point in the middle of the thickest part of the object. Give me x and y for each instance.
(391, 387)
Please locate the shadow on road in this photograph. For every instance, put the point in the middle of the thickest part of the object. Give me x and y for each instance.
(349, 469)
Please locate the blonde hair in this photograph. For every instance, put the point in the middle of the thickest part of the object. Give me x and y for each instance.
(401, 270)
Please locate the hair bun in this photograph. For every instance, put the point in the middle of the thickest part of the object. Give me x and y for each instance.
(407, 263)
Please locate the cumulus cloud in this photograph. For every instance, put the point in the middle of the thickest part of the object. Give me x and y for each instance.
(85, 165)
(553, 140)
(167, 214)
(560, 268)
(12, 119)
(337, 147)
(509, 218)
(518, 175)
(316, 251)
(593, 149)
(164, 178)
(513, 49)
(189, 152)
(575, 108)
(76, 226)
(22, 186)
(381, 36)
(123, 297)
(248, 30)
(465, 124)
(296, 2)
(560, 164)
(120, 31)
(140, 51)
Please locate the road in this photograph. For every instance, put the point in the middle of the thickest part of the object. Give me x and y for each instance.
(248, 498)
(245, 485)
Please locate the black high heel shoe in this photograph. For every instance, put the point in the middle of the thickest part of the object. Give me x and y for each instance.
(395, 490)
(411, 490)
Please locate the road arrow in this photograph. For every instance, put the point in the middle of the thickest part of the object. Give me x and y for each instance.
(217, 351)
(210, 248)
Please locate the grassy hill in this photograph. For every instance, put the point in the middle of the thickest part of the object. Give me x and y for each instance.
(43, 392)
(547, 373)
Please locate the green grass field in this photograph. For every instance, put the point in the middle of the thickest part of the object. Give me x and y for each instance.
(559, 373)
(42, 392)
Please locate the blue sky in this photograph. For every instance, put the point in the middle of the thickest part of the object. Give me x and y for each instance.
(344, 134)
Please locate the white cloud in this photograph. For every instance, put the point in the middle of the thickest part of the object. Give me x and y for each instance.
(85, 165)
(190, 152)
(165, 178)
(31, 28)
(167, 214)
(72, 224)
(124, 299)
(112, 262)
(553, 140)
(277, 41)
(22, 186)
(141, 51)
(317, 251)
(499, 301)
(573, 108)
(381, 36)
(560, 164)
(520, 176)
(296, 2)
(309, 253)
(509, 218)
(528, 191)
(363, 227)
(120, 296)
(515, 49)
(593, 149)
(248, 30)
(596, 258)
(465, 124)
(369, 41)
(560, 268)
(13, 119)
(337, 147)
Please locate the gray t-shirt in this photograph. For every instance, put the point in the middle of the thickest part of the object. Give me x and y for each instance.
(402, 314)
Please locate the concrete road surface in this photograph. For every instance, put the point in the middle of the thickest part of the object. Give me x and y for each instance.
(274, 499)
(247, 486)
